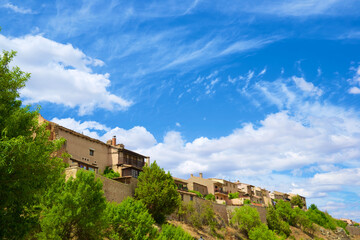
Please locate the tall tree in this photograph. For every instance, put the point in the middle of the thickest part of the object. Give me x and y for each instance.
(74, 209)
(158, 191)
(27, 165)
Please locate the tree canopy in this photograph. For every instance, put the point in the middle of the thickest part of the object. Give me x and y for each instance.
(27, 165)
(158, 191)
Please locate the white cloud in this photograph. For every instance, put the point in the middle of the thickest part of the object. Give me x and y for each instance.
(262, 72)
(17, 9)
(306, 86)
(354, 90)
(341, 177)
(178, 124)
(62, 74)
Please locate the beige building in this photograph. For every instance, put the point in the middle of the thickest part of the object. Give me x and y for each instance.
(198, 187)
(303, 199)
(182, 188)
(214, 187)
(94, 155)
(279, 195)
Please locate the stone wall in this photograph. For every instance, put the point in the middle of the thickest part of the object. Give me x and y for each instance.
(353, 230)
(114, 191)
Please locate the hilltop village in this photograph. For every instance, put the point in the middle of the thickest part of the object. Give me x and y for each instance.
(94, 155)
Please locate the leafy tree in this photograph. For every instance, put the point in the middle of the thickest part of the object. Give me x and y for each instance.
(234, 195)
(297, 201)
(170, 232)
(247, 201)
(321, 218)
(286, 212)
(27, 163)
(275, 222)
(158, 192)
(110, 173)
(262, 232)
(245, 218)
(210, 197)
(130, 220)
(74, 209)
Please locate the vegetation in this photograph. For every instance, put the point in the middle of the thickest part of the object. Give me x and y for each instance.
(74, 209)
(170, 232)
(197, 193)
(234, 195)
(297, 201)
(276, 223)
(110, 173)
(129, 220)
(210, 197)
(245, 218)
(27, 166)
(262, 232)
(158, 192)
(324, 219)
(247, 201)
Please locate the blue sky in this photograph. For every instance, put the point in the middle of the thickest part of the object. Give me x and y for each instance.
(265, 92)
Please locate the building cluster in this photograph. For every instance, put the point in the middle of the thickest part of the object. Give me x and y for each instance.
(94, 155)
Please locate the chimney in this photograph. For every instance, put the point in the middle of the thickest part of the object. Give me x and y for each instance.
(113, 141)
(191, 175)
(200, 175)
(147, 159)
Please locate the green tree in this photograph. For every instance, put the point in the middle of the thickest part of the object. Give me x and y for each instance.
(275, 222)
(245, 218)
(210, 197)
(170, 232)
(234, 195)
(247, 201)
(129, 220)
(74, 209)
(110, 173)
(262, 232)
(297, 201)
(158, 191)
(27, 164)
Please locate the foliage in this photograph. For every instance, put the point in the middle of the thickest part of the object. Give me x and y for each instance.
(245, 218)
(247, 201)
(170, 232)
(234, 195)
(210, 197)
(74, 209)
(129, 220)
(276, 224)
(110, 173)
(356, 224)
(158, 191)
(321, 218)
(286, 212)
(303, 221)
(262, 232)
(199, 214)
(27, 165)
(197, 193)
(297, 201)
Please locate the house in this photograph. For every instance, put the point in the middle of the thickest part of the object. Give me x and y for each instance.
(94, 155)
(214, 187)
(183, 190)
(275, 195)
(194, 186)
(303, 199)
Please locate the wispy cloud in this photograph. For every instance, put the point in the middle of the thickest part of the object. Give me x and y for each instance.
(18, 9)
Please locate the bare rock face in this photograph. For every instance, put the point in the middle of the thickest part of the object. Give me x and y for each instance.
(341, 234)
(338, 234)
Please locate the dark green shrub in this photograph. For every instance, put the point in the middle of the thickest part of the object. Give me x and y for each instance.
(247, 201)
(234, 195)
(321, 218)
(110, 173)
(210, 197)
(297, 201)
(276, 224)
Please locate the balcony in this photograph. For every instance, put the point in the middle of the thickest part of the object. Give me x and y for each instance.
(132, 162)
(221, 191)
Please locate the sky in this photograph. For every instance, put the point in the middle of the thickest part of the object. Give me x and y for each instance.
(264, 92)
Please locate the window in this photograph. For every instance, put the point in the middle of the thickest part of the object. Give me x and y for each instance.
(134, 173)
(91, 152)
(191, 198)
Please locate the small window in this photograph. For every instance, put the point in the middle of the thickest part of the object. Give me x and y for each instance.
(91, 152)
(191, 198)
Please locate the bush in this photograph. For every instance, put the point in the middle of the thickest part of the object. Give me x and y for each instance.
(110, 173)
(234, 195)
(247, 201)
(356, 224)
(199, 214)
(276, 224)
(262, 232)
(321, 218)
(297, 201)
(245, 218)
(210, 197)
(197, 193)
(169, 232)
(129, 220)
